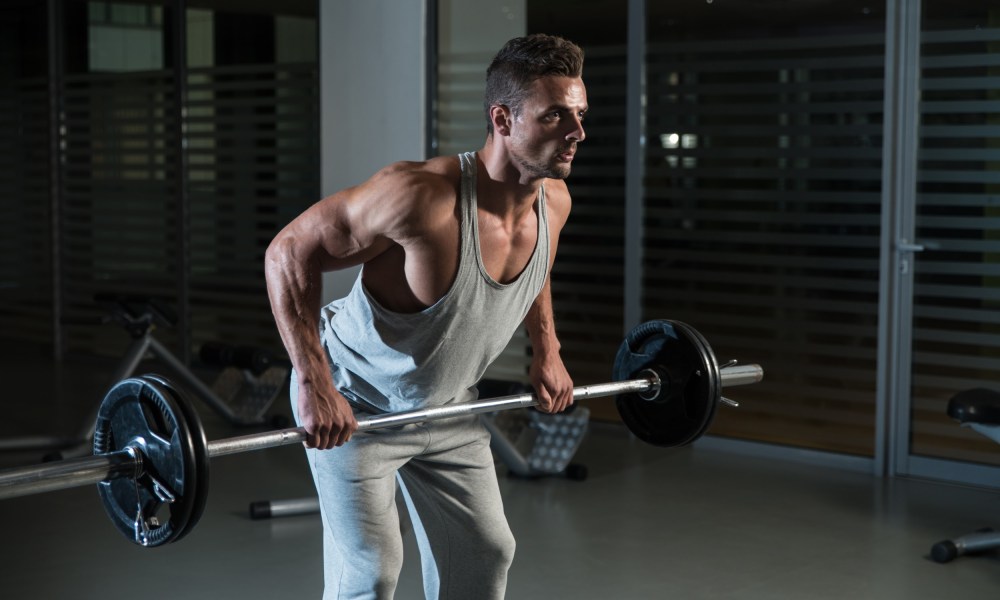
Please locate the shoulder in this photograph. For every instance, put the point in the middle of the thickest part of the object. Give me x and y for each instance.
(557, 201)
(410, 195)
(418, 179)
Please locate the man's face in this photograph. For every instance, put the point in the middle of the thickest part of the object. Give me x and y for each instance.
(545, 131)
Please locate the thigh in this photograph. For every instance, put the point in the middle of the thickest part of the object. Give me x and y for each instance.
(457, 513)
(455, 476)
(362, 543)
(356, 486)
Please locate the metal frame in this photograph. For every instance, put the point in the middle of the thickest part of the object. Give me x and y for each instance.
(899, 206)
(899, 178)
(635, 150)
(142, 346)
(180, 72)
(55, 73)
(431, 37)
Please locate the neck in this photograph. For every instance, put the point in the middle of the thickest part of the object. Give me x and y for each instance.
(502, 179)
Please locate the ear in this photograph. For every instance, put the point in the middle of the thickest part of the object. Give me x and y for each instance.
(501, 118)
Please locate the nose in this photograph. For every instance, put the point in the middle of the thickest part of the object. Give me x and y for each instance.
(577, 134)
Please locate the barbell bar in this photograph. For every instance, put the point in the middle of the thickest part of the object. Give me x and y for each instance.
(649, 382)
(78, 472)
(150, 450)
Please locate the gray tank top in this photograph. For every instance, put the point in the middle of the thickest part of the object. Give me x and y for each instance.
(389, 362)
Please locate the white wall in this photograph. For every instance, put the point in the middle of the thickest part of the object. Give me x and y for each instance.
(372, 82)
(372, 64)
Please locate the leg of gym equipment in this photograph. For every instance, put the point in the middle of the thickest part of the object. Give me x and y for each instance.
(250, 413)
(83, 443)
(266, 509)
(80, 444)
(983, 540)
(136, 353)
(204, 392)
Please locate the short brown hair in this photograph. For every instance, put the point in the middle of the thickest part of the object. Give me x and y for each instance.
(523, 60)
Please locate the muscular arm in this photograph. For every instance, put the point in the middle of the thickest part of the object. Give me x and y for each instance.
(349, 228)
(548, 374)
(319, 239)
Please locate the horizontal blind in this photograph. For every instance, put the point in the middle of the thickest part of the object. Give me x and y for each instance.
(762, 204)
(253, 164)
(460, 119)
(26, 264)
(119, 212)
(26, 278)
(956, 310)
(253, 160)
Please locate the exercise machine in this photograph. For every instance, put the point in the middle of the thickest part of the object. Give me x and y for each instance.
(243, 391)
(978, 409)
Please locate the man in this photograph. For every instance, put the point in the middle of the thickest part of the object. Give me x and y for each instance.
(456, 253)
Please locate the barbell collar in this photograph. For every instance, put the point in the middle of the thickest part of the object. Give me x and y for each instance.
(740, 375)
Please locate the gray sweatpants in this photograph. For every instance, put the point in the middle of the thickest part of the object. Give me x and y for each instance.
(445, 471)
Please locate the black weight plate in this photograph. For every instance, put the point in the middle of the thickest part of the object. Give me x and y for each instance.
(691, 384)
(142, 414)
(712, 378)
(198, 484)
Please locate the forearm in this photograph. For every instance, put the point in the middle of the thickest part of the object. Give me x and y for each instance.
(294, 286)
(548, 374)
(541, 326)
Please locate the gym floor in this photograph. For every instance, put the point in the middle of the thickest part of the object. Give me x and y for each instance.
(648, 523)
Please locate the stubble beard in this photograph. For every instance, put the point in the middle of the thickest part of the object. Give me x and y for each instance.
(538, 167)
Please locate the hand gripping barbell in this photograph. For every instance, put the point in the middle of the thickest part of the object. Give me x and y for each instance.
(151, 457)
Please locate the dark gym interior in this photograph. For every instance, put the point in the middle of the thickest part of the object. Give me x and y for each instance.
(810, 185)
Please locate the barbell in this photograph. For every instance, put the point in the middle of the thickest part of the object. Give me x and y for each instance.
(151, 456)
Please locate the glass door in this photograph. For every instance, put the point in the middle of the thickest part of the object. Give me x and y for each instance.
(956, 276)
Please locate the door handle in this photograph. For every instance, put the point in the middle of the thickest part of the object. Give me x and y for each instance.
(904, 246)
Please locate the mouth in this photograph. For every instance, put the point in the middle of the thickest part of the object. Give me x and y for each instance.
(566, 156)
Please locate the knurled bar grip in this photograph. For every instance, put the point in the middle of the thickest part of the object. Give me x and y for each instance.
(78, 472)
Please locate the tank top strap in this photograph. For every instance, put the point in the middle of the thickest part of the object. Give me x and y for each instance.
(471, 252)
(469, 225)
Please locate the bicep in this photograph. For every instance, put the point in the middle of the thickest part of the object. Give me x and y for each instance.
(359, 223)
(339, 231)
(350, 228)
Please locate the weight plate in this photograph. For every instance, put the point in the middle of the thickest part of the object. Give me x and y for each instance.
(142, 414)
(199, 442)
(690, 382)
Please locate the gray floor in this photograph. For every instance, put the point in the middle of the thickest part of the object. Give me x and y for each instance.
(648, 523)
